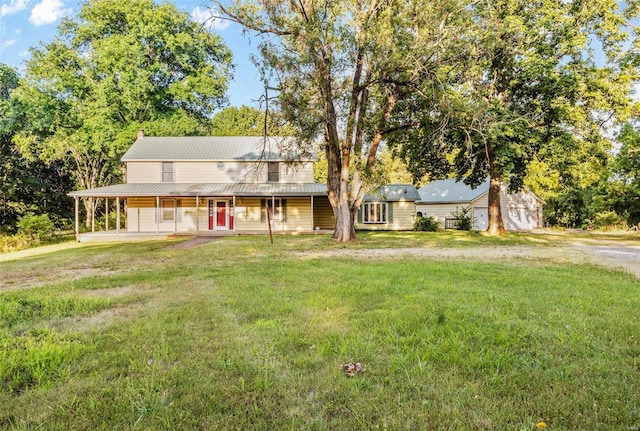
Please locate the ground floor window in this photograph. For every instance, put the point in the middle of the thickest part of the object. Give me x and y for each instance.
(375, 212)
(167, 210)
(277, 212)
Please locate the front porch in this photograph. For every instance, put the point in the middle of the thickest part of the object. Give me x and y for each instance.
(124, 236)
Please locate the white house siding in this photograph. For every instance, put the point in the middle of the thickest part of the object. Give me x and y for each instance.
(218, 172)
(144, 172)
(440, 212)
(249, 216)
(520, 211)
(402, 219)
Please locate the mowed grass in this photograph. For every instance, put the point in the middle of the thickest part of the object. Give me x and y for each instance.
(241, 334)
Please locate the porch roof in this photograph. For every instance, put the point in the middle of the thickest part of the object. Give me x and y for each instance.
(200, 189)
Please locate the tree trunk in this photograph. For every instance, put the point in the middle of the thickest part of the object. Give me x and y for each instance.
(496, 227)
(345, 222)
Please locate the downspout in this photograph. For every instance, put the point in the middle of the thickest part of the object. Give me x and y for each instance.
(157, 214)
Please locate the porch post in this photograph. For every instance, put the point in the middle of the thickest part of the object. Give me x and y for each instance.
(273, 211)
(77, 224)
(235, 220)
(197, 213)
(106, 214)
(157, 214)
(118, 215)
(312, 221)
(93, 214)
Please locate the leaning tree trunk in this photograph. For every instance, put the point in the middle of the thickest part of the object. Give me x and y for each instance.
(496, 227)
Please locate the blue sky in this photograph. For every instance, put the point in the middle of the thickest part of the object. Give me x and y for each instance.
(27, 23)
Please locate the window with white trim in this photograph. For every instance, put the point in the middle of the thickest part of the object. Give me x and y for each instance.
(273, 172)
(374, 212)
(167, 172)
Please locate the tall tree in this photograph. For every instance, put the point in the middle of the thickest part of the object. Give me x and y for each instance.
(532, 80)
(121, 65)
(25, 185)
(244, 121)
(342, 67)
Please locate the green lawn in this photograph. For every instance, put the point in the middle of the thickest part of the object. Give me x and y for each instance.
(241, 334)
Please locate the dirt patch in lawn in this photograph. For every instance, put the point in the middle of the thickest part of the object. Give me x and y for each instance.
(626, 258)
(193, 242)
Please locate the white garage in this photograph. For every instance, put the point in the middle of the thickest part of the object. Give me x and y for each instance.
(520, 211)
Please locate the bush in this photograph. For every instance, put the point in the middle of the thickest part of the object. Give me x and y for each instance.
(465, 218)
(35, 227)
(425, 224)
(609, 220)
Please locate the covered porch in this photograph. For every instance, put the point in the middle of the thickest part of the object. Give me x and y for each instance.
(163, 210)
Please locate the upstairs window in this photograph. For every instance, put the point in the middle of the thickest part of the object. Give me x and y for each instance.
(167, 172)
(273, 172)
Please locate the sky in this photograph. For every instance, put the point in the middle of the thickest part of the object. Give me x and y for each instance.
(28, 23)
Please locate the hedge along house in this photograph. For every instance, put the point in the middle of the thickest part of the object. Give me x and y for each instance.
(392, 207)
(212, 185)
(439, 199)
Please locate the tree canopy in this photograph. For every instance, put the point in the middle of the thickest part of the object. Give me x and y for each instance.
(530, 83)
(342, 67)
(121, 65)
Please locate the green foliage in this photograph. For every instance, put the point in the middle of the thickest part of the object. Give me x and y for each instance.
(343, 68)
(25, 185)
(425, 224)
(36, 227)
(464, 217)
(119, 66)
(609, 220)
(245, 121)
(530, 81)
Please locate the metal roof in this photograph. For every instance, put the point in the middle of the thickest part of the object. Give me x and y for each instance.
(451, 191)
(200, 189)
(394, 193)
(218, 148)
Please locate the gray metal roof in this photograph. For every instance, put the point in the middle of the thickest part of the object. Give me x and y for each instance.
(223, 148)
(394, 193)
(200, 189)
(451, 191)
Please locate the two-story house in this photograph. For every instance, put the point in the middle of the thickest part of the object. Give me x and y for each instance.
(214, 184)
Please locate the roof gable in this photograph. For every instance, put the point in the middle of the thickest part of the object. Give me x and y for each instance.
(451, 191)
(212, 148)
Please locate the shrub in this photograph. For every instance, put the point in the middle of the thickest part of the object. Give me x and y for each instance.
(609, 220)
(36, 227)
(465, 218)
(425, 224)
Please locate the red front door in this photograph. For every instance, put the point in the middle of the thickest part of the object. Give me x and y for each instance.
(221, 214)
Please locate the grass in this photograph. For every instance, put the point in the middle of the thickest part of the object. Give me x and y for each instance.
(239, 334)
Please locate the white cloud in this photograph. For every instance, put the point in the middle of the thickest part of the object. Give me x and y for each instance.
(13, 6)
(47, 12)
(8, 43)
(207, 17)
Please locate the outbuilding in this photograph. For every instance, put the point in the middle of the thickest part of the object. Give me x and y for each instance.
(440, 199)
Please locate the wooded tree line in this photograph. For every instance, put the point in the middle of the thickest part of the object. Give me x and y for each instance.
(526, 92)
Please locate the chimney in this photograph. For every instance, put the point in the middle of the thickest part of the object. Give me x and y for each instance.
(140, 133)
